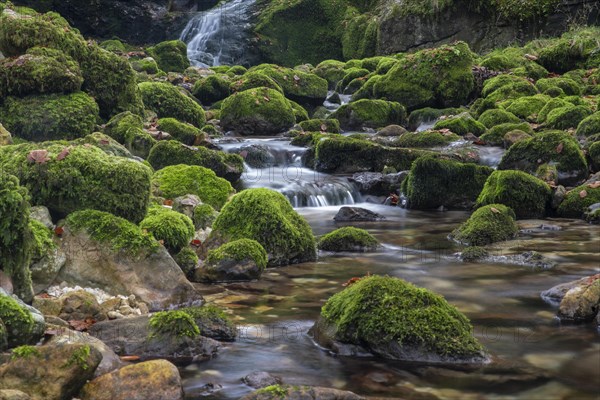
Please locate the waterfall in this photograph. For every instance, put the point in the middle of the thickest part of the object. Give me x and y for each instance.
(218, 36)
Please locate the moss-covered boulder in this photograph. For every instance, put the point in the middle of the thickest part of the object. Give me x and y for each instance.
(594, 152)
(332, 71)
(503, 87)
(179, 180)
(590, 125)
(424, 139)
(50, 117)
(527, 195)
(105, 143)
(211, 89)
(488, 224)
(66, 178)
(267, 217)
(526, 107)
(434, 182)
(174, 229)
(569, 52)
(171, 56)
(348, 239)
(181, 131)
(252, 80)
(260, 111)
(493, 117)
(147, 65)
(240, 260)
(461, 125)
(568, 86)
(567, 117)
(555, 147)
(495, 136)
(167, 100)
(172, 152)
(21, 326)
(367, 113)
(393, 319)
(551, 105)
(578, 200)
(330, 125)
(127, 129)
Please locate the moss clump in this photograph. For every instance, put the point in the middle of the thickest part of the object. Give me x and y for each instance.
(147, 65)
(127, 129)
(568, 86)
(171, 152)
(273, 391)
(526, 107)
(119, 233)
(260, 111)
(321, 125)
(179, 180)
(253, 80)
(185, 133)
(113, 45)
(204, 216)
(187, 259)
(554, 147)
(348, 239)
(434, 182)
(42, 242)
(50, 117)
(424, 139)
(551, 105)
(578, 200)
(351, 75)
(267, 217)
(488, 224)
(573, 50)
(526, 195)
(167, 100)
(461, 125)
(211, 89)
(378, 310)
(503, 87)
(495, 136)
(567, 117)
(25, 351)
(239, 250)
(367, 113)
(174, 229)
(171, 56)
(173, 323)
(431, 77)
(428, 115)
(66, 178)
(332, 71)
(473, 253)
(104, 143)
(300, 112)
(16, 238)
(17, 320)
(491, 118)
(208, 316)
(589, 126)
(79, 358)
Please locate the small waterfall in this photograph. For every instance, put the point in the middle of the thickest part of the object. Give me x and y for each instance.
(218, 36)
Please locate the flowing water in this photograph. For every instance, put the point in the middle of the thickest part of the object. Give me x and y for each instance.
(534, 357)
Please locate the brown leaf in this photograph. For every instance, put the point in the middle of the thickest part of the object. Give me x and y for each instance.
(323, 128)
(495, 210)
(168, 202)
(129, 358)
(59, 230)
(38, 156)
(530, 57)
(244, 153)
(266, 98)
(82, 325)
(594, 185)
(560, 147)
(583, 194)
(63, 154)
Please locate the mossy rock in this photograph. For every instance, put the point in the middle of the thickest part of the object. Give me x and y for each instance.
(66, 178)
(253, 80)
(461, 124)
(544, 148)
(300, 112)
(551, 105)
(434, 182)
(332, 71)
(514, 136)
(176, 323)
(17, 321)
(578, 200)
(40, 71)
(181, 131)
(172, 152)
(488, 224)
(351, 75)
(589, 126)
(105, 143)
(127, 129)
(527, 195)
(568, 86)
(211, 89)
(425, 139)
(429, 115)
(113, 45)
(491, 118)
(359, 36)
(567, 117)
(504, 87)
(204, 216)
(330, 125)
(367, 113)
(594, 152)
(257, 214)
(50, 117)
(147, 65)
(119, 233)
(187, 259)
(569, 52)
(473, 253)
(260, 111)
(243, 259)
(171, 56)
(179, 180)
(495, 136)
(397, 320)
(348, 239)
(167, 100)
(433, 77)
(174, 229)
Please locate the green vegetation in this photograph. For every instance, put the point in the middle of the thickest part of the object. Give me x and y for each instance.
(367, 113)
(495, 136)
(348, 239)
(211, 89)
(321, 125)
(578, 200)
(239, 250)
(79, 357)
(424, 139)
(488, 224)
(461, 125)
(504, 87)
(297, 85)
(590, 125)
(493, 117)
(187, 259)
(273, 390)
(171, 56)
(253, 80)
(183, 132)
(473, 253)
(526, 107)
(25, 351)
(208, 315)
(567, 117)
(42, 239)
(173, 323)
(167, 100)
(17, 320)
(127, 129)
(174, 229)
(204, 216)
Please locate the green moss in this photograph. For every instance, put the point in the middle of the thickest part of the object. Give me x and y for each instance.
(434, 182)
(273, 390)
(528, 154)
(473, 253)
(119, 233)
(495, 136)
(237, 70)
(174, 229)
(431, 77)
(526, 195)
(367, 113)
(211, 89)
(127, 129)
(376, 310)
(428, 114)
(171, 152)
(209, 315)
(589, 126)
(185, 133)
(424, 139)
(50, 117)
(567, 117)
(204, 216)
(42, 239)
(550, 105)
(461, 125)
(171, 56)
(147, 65)
(351, 74)
(491, 118)
(569, 52)
(332, 71)
(299, 86)
(253, 80)
(488, 224)
(300, 112)
(24, 352)
(113, 45)
(321, 125)
(260, 111)
(267, 217)
(17, 320)
(360, 35)
(187, 259)
(526, 107)
(173, 323)
(594, 152)
(79, 358)
(348, 239)
(568, 86)
(239, 250)
(578, 200)
(167, 100)
(503, 87)
(104, 143)
(179, 180)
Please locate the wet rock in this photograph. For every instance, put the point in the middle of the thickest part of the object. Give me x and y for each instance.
(156, 380)
(392, 130)
(558, 196)
(81, 305)
(261, 379)
(24, 324)
(583, 371)
(186, 204)
(45, 269)
(334, 98)
(592, 214)
(301, 392)
(257, 155)
(52, 372)
(578, 301)
(378, 184)
(9, 394)
(351, 214)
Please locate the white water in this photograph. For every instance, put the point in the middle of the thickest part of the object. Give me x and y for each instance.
(216, 36)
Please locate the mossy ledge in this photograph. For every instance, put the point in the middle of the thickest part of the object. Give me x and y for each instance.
(348, 238)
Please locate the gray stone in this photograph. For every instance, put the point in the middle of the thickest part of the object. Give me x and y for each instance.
(261, 379)
(42, 214)
(352, 214)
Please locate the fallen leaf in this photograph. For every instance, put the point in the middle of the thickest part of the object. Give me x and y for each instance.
(583, 194)
(495, 210)
(560, 147)
(38, 156)
(63, 154)
(129, 358)
(323, 128)
(244, 153)
(59, 230)
(196, 242)
(594, 185)
(168, 202)
(266, 98)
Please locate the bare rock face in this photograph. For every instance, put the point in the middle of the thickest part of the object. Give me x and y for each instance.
(578, 301)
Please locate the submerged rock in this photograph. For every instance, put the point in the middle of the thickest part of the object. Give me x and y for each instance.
(578, 301)
(351, 214)
(261, 379)
(300, 392)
